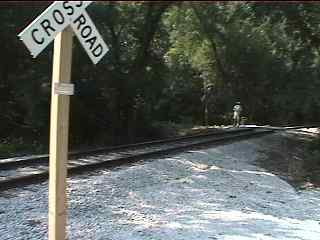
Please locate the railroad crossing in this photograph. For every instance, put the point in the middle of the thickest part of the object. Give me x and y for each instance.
(43, 30)
(58, 22)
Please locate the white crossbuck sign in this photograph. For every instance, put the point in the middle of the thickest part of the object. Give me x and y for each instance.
(56, 18)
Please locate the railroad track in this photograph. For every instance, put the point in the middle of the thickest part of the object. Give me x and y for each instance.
(21, 171)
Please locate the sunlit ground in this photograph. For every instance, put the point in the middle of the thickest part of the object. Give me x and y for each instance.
(216, 193)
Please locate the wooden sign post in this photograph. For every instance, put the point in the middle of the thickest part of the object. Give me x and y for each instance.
(59, 126)
(58, 22)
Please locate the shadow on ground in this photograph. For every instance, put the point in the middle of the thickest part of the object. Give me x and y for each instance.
(290, 159)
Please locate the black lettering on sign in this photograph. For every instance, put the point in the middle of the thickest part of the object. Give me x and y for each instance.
(58, 16)
(91, 41)
(97, 50)
(46, 25)
(79, 4)
(67, 7)
(39, 41)
(86, 31)
(81, 20)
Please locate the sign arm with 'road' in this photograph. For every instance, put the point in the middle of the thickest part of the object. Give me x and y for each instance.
(89, 37)
(42, 31)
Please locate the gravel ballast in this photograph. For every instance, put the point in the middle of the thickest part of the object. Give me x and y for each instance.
(215, 193)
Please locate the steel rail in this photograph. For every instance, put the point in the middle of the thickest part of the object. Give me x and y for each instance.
(28, 160)
(79, 165)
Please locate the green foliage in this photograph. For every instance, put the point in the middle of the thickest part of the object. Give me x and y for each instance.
(9, 147)
(179, 63)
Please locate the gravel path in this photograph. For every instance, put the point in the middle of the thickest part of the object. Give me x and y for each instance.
(216, 193)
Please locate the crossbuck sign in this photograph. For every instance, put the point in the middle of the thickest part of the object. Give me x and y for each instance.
(59, 22)
(55, 19)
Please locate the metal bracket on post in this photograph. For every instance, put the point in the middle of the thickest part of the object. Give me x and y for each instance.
(64, 89)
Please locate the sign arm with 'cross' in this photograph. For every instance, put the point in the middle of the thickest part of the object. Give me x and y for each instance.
(59, 15)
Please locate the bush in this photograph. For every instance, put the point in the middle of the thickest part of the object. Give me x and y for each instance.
(18, 147)
(7, 149)
(165, 129)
